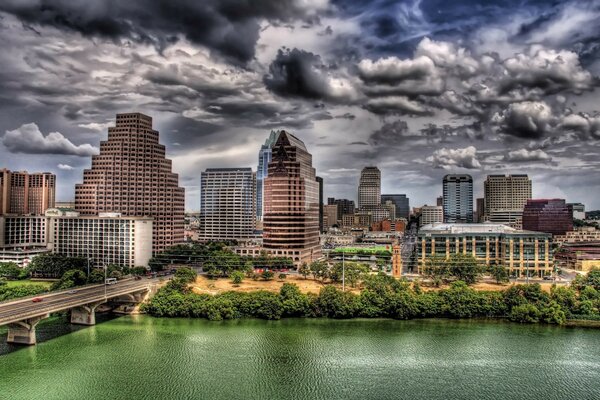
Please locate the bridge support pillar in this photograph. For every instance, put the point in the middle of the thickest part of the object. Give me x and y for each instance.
(23, 332)
(85, 315)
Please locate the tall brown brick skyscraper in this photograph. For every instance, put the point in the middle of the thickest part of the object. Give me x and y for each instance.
(291, 200)
(131, 176)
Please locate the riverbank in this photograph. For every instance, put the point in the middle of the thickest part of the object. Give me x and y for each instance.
(379, 296)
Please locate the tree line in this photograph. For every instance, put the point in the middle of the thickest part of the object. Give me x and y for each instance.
(383, 296)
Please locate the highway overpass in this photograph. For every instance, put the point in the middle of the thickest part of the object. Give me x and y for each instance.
(22, 315)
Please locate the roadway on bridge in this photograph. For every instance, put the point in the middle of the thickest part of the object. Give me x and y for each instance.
(20, 309)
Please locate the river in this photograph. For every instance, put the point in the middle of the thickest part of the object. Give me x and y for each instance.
(140, 357)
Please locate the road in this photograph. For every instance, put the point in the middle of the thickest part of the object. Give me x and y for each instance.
(20, 309)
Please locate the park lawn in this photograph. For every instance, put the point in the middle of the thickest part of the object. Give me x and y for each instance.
(28, 282)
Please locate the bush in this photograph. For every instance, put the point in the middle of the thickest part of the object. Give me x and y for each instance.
(525, 313)
(237, 277)
(267, 275)
(186, 274)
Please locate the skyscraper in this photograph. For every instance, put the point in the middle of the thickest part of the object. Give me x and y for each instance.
(369, 188)
(344, 206)
(131, 176)
(400, 201)
(547, 215)
(291, 202)
(321, 215)
(505, 197)
(227, 203)
(264, 157)
(25, 193)
(458, 198)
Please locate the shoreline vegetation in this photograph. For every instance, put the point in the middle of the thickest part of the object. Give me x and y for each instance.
(382, 296)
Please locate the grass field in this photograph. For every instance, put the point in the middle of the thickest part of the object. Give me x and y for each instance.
(28, 282)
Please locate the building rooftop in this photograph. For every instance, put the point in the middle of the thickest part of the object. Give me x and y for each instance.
(451, 228)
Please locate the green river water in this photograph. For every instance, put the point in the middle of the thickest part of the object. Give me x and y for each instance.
(141, 357)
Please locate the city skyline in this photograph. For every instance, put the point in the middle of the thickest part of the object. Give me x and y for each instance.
(420, 89)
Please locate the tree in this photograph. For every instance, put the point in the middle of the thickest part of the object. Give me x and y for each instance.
(71, 278)
(138, 271)
(186, 274)
(116, 274)
(282, 277)
(52, 265)
(267, 275)
(237, 277)
(11, 270)
(304, 270)
(319, 270)
(499, 273)
(96, 276)
(436, 268)
(525, 313)
(464, 268)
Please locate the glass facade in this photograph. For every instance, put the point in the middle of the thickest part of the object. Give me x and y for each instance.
(457, 198)
(548, 215)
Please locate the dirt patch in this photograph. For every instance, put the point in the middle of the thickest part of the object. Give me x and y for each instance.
(215, 286)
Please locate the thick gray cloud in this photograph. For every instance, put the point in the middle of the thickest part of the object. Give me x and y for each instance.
(298, 73)
(30, 140)
(230, 27)
(505, 87)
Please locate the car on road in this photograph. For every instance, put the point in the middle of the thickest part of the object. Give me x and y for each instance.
(548, 278)
(37, 299)
(72, 291)
(110, 281)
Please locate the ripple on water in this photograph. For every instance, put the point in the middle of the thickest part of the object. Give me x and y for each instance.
(147, 358)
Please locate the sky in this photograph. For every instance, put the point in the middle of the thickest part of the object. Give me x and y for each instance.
(418, 88)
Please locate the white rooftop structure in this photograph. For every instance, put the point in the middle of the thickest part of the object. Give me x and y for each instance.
(450, 228)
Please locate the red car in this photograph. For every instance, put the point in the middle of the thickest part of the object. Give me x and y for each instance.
(37, 299)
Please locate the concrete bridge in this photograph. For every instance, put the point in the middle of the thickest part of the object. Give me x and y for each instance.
(22, 315)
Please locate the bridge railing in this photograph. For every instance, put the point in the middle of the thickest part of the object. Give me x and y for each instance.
(53, 292)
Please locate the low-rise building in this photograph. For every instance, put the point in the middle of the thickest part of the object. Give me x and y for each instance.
(579, 256)
(580, 234)
(518, 251)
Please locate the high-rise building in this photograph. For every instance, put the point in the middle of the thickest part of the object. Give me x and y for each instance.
(331, 215)
(227, 203)
(104, 239)
(505, 197)
(291, 202)
(321, 214)
(480, 207)
(369, 195)
(264, 157)
(547, 215)
(131, 176)
(431, 215)
(344, 206)
(369, 188)
(439, 201)
(458, 198)
(25, 193)
(400, 201)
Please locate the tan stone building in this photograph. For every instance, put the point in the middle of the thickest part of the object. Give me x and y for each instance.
(25, 193)
(132, 176)
(491, 244)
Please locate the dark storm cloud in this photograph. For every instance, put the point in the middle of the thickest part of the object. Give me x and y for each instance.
(230, 27)
(297, 73)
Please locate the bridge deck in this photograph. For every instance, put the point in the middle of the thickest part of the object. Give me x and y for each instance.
(21, 309)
